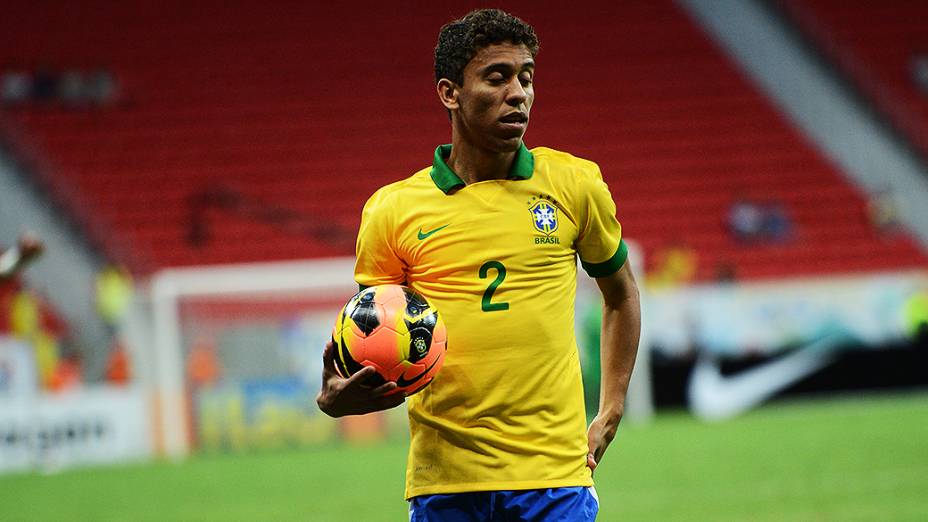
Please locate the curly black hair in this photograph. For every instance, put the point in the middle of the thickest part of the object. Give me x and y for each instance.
(459, 40)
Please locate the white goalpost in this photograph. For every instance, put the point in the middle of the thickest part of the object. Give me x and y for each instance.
(264, 325)
(303, 284)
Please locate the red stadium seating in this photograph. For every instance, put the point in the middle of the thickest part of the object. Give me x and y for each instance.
(874, 42)
(309, 110)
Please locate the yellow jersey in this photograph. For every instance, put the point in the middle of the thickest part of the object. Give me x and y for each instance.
(498, 260)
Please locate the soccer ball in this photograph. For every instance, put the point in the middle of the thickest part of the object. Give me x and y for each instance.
(395, 330)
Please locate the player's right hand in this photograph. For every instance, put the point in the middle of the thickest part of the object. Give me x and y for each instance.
(340, 396)
(30, 246)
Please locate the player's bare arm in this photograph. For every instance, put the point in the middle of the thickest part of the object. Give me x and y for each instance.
(340, 397)
(27, 249)
(620, 332)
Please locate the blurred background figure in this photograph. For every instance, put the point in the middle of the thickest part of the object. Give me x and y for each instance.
(920, 72)
(45, 85)
(916, 316)
(31, 319)
(746, 220)
(674, 265)
(115, 292)
(753, 221)
(777, 225)
(15, 86)
(16, 257)
(883, 212)
(68, 88)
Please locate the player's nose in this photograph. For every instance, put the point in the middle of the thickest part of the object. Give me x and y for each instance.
(516, 94)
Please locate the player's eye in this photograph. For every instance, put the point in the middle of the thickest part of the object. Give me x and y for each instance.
(495, 77)
(526, 79)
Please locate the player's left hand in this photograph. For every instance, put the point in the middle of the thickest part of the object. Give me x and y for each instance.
(600, 434)
(340, 396)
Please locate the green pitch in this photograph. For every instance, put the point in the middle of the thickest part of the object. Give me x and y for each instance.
(834, 460)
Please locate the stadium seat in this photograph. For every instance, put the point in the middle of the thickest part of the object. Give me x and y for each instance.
(256, 102)
(874, 44)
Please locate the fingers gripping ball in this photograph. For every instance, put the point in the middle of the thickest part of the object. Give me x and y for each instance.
(396, 331)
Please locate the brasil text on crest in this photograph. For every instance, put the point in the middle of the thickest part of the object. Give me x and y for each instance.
(544, 218)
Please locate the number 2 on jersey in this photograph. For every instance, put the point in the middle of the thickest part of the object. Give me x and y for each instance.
(485, 303)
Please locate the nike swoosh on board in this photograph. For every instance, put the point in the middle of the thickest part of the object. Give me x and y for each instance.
(713, 396)
(423, 235)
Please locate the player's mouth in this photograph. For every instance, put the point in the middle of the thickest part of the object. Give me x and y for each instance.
(515, 121)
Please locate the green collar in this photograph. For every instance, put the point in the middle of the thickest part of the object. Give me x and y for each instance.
(447, 180)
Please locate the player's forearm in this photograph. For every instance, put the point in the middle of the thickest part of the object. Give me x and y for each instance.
(27, 248)
(10, 262)
(618, 347)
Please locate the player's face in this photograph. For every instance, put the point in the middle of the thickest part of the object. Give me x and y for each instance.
(497, 95)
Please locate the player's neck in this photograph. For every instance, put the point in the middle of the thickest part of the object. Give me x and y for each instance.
(473, 164)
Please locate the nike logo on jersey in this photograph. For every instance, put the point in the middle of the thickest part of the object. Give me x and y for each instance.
(423, 235)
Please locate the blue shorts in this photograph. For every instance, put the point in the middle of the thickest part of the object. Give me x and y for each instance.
(576, 504)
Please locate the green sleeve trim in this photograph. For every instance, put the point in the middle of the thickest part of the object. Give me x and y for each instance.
(609, 266)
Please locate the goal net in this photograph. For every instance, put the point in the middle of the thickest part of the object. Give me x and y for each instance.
(233, 355)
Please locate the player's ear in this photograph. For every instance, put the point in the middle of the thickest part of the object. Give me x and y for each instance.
(448, 93)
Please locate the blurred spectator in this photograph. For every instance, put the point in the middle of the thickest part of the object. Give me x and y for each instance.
(28, 317)
(114, 294)
(31, 321)
(751, 221)
(47, 358)
(68, 372)
(24, 314)
(12, 316)
(15, 87)
(745, 220)
(919, 66)
(203, 366)
(916, 315)
(101, 88)
(115, 290)
(883, 212)
(118, 369)
(70, 88)
(44, 85)
(27, 249)
(674, 265)
(777, 225)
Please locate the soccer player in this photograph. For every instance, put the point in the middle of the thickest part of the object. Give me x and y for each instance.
(490, 234)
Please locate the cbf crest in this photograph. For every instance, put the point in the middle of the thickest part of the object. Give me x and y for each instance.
(544, 215)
